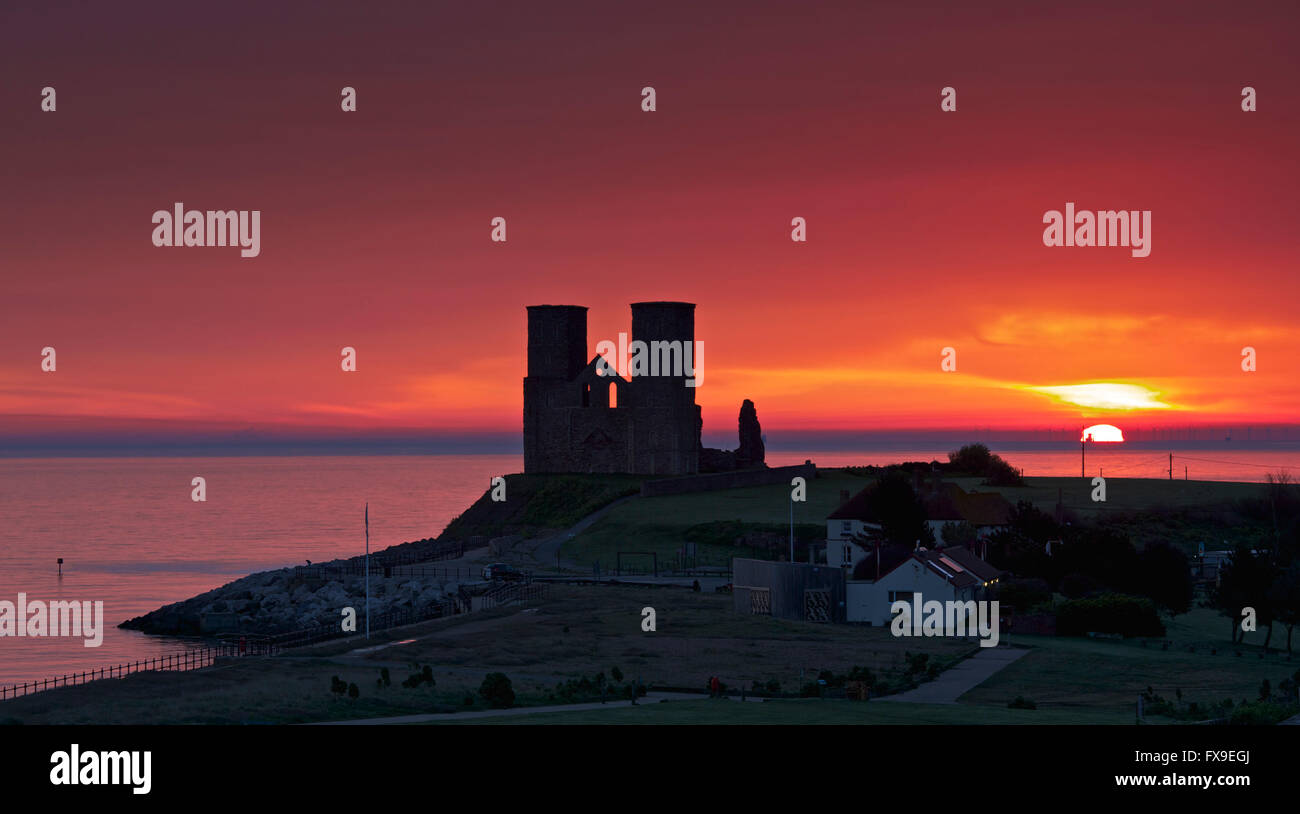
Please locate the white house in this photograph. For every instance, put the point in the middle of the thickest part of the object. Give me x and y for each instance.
(945, 574)
(852, 518)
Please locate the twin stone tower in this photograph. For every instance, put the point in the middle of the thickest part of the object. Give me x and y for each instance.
(578, 420)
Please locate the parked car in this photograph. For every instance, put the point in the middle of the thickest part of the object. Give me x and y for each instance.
(502, 571)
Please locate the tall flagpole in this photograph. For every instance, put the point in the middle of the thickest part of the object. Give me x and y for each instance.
(792, 527)
(367, 570)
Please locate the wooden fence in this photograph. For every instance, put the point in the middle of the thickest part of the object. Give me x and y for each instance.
(500, 594)
(188, 660)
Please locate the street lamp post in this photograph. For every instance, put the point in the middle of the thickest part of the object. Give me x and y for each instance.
(792, 527)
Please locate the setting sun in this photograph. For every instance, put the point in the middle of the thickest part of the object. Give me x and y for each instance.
(1103, 433)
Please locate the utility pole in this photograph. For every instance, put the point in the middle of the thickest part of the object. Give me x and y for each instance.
(1171, 466)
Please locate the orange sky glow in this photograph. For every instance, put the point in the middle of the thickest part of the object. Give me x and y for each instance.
(924, 228)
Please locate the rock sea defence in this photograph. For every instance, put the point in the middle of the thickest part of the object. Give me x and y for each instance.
(289, 599)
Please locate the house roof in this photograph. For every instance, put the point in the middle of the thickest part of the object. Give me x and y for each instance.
(950, 503)
(946, 502)
(959, 557)
(985, 509)
(959, 566)
(856, 508)
(891, 557)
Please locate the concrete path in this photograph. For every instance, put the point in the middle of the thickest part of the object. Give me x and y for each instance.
(648, 698)
(960, 679)
(548, 548)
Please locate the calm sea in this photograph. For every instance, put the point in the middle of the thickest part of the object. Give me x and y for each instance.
(130, 535)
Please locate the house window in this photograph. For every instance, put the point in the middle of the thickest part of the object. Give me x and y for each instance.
(847, 557)
(846, 526)
(900, 596)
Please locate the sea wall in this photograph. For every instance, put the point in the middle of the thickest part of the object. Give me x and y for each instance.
(291, 599)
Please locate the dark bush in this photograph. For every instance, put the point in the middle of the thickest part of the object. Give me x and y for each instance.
(1109, 613)
(497, 691)
(1261, 713)
(1023, 594)
(424, 676)
(916, 662)
(1078, 586)
(862, 674)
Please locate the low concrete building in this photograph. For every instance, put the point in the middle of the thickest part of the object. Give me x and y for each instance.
(788, 590)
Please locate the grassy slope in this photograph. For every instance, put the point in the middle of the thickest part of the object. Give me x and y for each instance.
(659, 524)
(1182, 512)
(1185, 512)
(538, 502)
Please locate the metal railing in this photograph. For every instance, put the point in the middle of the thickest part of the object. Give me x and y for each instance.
(188, 660)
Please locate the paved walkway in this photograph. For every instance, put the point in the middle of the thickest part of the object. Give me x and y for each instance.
(648, 698)
(960, 679)
(546, 552)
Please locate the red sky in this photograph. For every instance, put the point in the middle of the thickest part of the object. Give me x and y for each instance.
(925, 228)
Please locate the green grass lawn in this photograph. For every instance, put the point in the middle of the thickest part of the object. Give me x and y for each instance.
(582, 631)
(1184, 511)
(575, 632)
(811, 712)
(1080, 673)
(659, 524)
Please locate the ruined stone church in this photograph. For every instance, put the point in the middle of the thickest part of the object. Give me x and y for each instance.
(580, 418)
